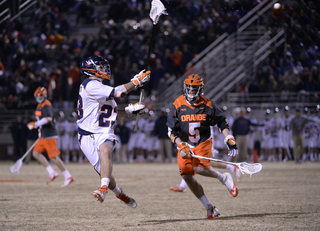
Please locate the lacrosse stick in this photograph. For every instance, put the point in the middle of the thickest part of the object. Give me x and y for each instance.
(244, 167)
(16, 167)
(157, 9)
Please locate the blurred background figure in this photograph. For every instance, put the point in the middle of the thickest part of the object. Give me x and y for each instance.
(123, 132)
(161, 131)
(63, 136)
(252, 134)
(287, 134)
(19, 136)
(265, 135)
(276, 137)
(74, 147)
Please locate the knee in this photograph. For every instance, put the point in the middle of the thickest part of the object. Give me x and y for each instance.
(198, 170)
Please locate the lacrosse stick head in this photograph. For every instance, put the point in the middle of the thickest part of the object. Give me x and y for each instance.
(157, 9)
(16, 167)
(250, 169)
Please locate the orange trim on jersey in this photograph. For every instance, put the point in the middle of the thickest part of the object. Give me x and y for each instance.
(38, 113)
(46, 102)
(182, 101)
(89, 93)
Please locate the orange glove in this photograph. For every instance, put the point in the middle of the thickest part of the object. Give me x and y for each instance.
(184, 150)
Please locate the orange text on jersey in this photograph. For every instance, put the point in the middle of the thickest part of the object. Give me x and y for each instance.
(193, 117)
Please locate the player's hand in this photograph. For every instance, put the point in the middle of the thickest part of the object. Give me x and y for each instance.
(139, 79)
(232, 146)
(32, 125)
(184, 150)
(135, 108)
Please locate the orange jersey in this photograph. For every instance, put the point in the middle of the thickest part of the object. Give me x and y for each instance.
(45, 110)
(192, 122)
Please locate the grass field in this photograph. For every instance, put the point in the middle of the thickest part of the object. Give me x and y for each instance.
(281, 197)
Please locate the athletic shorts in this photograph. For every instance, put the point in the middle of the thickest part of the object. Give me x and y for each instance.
(186, 165)
(63, 142)
(90, 145)
(48, 145)
(73, 143)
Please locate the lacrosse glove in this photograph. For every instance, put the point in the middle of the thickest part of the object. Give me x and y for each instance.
(232, 146)
(184, 150)
(135, 108)
(139, 79)
(32, 125)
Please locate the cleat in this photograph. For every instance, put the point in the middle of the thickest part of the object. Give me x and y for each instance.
(212, 212)
(178, 189)
(53, 177)
(230, 184)
(67, 182)
(236, 172)
(127, 199)
(101, 193)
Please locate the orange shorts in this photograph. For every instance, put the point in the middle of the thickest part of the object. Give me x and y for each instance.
(47, 145)
(186, 165)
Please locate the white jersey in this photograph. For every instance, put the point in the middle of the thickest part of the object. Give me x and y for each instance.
(97, 109)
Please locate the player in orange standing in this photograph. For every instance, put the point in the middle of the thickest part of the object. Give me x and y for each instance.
(189, 124)
(48, 138)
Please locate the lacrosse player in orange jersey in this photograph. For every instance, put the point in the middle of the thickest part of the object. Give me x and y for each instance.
(48, 137)
(189, 124)
(97, 113)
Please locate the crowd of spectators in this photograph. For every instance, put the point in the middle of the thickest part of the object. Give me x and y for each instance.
(48, 55)
(293, 67)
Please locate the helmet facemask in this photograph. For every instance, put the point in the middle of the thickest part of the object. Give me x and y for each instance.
(96, 66)
(40, 94)
(193, 88)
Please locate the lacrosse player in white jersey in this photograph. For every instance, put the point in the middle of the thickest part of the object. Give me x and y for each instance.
(287, 133)
(265, 135)
(63, 136)
(276, 137)
(97, 113)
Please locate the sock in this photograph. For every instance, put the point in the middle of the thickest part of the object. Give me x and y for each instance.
(66, 174)
(230, 167)
(117, 191)
(205, 201)
(220, 176)
(183, 184)
(50, 170)
(105, 181)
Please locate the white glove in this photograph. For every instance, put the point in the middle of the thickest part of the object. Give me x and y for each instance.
(139, 79)
(32, 125)
(134, 108)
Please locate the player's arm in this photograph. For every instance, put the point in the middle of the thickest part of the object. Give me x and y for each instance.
(137, 81)
(221, 121)
(45, 120)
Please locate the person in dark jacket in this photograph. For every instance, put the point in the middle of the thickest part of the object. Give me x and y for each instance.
(19, 136)
(161, 131)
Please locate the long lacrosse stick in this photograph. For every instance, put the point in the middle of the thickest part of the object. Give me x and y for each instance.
(157, 9)
(244, 167)
(16, 167)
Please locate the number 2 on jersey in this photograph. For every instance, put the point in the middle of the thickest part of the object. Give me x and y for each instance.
(194, 132)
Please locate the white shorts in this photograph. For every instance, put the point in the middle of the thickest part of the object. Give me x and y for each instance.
(73, 143)
(151, 143)
(63, 142)
(287, 139)
(219, 142)
(276, 142)
(266, 143)
(140, 140)
(132, 142)
(90, 144)
(313, 142)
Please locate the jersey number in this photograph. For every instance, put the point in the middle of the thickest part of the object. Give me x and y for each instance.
(80, 107)
(194, 132)
(106, 112)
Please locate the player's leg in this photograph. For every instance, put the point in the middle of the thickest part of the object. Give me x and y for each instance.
(197, 190)
(182, 187)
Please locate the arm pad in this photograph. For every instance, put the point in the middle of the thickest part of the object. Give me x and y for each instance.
(43, 121)
(120, 91)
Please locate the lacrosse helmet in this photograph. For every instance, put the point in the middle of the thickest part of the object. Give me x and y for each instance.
(193, 88)
(96, 66)
(40, 94)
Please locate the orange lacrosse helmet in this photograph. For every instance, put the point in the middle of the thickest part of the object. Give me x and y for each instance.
(193, 87)
(40, 94)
